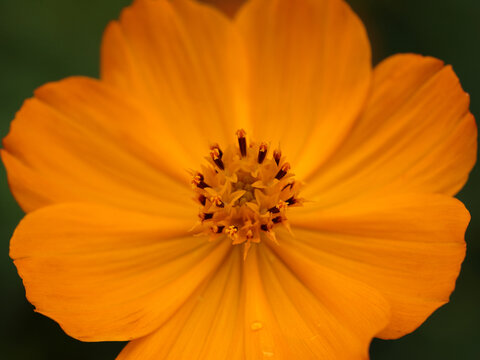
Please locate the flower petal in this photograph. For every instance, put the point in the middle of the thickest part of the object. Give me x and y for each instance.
(260, 310)
(292, 314)
(310, 72)
(77, 140)
(106, 274)
(228, 7)
(416, 134)
(409, 247)
(185, 62)
(208, 326)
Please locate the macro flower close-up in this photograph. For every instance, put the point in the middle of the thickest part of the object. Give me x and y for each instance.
(242, 186)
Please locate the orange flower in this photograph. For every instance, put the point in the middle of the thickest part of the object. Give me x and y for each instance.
(132, 235)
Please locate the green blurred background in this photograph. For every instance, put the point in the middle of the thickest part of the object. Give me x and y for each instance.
(46, 40)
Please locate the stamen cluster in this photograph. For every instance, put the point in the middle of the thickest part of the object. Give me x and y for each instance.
(244, 194)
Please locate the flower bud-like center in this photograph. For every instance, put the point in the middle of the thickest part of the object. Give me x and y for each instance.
(244, 194)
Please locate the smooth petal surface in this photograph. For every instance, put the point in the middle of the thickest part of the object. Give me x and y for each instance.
(409, 247)
(260, 309)
(310, 70)
(106, 274)
(76, 140)
(292, 314)
(416, 134)
(185, 62)
(208, 326)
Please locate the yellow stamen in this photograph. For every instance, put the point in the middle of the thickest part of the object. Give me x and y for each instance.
(231, 231)
(217, 201)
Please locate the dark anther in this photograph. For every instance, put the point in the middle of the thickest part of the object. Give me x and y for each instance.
(290, 185)
(264, 227)
(274, 210)
(202, 199)
(277, 220)
(242, 142)
(207, 216)
(216, 155)
(277, 155)
(199, 181)
(232, 229)
(219, 163)
(283, 171)
(218, 229)
(262, 152)
(203, 185)
(291, 201)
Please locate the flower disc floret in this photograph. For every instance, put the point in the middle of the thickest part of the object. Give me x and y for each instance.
(244, 194)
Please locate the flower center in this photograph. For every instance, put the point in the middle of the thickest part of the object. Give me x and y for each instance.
(244, 194)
